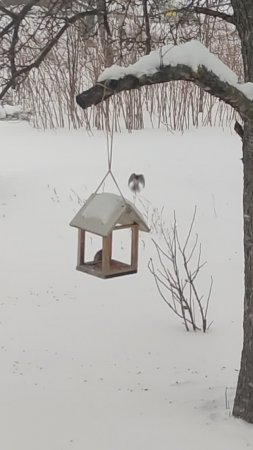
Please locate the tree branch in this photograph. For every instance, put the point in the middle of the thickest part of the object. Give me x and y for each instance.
(147, 26)
(202, 77)
(209, 12)
(8, 12)
(17, 17)
(44, 52)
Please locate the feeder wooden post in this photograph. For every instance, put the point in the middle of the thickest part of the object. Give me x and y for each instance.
(134, 246)
(107, 253)
(81, 244)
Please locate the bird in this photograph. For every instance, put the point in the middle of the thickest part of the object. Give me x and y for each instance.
(136, 182)
(98, 257)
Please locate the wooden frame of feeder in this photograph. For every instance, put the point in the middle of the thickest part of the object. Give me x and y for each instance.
(108, 267)
(102, 215)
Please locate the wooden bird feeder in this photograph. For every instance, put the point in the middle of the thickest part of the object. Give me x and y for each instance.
(103, 214)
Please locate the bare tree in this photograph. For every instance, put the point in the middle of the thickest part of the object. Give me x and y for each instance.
(29, 32)
(240, 14)
(119, 32)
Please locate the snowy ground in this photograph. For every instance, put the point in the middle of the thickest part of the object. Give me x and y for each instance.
(103, 364)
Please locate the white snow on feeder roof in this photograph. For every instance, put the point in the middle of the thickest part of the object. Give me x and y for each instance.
(102, 212)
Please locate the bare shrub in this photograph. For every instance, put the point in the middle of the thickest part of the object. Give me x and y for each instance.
(177, 274)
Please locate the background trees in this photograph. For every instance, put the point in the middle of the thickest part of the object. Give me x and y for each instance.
(66, 45)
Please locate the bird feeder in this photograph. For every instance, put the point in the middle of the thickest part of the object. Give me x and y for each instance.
(102, 215)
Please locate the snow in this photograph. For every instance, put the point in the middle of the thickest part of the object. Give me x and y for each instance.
(193, 54)
(8, 111)
(103, 364)
(2, 113)
(102, 211)
(102, 207)
(12, 109)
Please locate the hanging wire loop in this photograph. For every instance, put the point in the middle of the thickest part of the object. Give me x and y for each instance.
(109, 145)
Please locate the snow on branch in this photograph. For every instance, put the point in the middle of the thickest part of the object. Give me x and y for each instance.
(189, 62)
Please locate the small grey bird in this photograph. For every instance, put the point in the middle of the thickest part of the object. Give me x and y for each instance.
(136, 182)
(98, 257)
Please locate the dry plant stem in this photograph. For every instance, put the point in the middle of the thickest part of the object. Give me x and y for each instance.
(176, 276)
(158, 281)
(172, 284)
(191, 276)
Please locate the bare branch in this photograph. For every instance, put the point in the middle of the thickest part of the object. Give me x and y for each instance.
(175, 276)
(209, 12)
(190, 229)
(8, 12)
(147, 26)
(44, 52)
(208, 297)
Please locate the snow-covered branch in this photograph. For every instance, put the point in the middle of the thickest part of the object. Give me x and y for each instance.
(189, 62)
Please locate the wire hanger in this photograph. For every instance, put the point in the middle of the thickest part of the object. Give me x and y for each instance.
(109, 147)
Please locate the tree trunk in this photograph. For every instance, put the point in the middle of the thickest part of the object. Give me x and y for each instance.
(243, 16)
(104, 33)
(243, 405)
(147, 26)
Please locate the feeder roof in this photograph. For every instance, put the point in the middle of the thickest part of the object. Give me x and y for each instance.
(102, 212)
